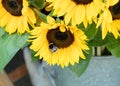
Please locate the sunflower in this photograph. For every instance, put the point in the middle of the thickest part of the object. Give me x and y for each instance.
(57, 43)
(110, 18)
(77, 11)
(15, 15)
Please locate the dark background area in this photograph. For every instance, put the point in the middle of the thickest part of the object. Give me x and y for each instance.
(16, 62)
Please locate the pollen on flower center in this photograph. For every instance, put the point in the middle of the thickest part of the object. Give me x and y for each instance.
(14, 7)
(60, 39)
(82, 1)
(115, 11)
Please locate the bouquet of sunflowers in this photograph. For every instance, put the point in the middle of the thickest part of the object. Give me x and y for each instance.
(60, 32)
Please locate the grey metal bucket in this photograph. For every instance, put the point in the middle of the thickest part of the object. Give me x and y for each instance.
(102, 71)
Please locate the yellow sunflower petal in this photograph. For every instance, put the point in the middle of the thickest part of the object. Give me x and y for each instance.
(31, 16)
(80, 14)
(62, 48)
(113, 2)
(4, 20)
(11, 26)
(50, 20)
(16, 22)
(76, 12)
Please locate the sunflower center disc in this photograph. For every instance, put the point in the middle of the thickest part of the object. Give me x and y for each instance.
(115, 10)
(61, 36)
(60, 39)
(14, 7)
(82, 1)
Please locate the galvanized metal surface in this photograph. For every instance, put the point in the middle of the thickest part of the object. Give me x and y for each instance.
(102, 71)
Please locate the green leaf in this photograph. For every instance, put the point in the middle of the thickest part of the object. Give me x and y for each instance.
(41, 15)
(80, 68)
(37, 3)
(97, 40)
(114, 46)
(34, 58)
(2, 32)
(90, 31)
(9, 45)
